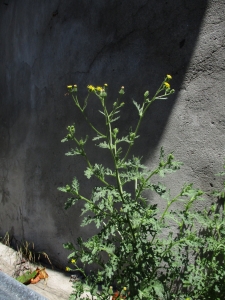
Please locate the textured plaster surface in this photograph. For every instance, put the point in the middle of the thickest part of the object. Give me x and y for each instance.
(46, 45)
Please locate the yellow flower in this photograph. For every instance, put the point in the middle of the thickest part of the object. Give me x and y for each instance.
(99, 89)
(91, 88)
(73, 261)
(69, 86)
(124, 288)
(169, 76)
(167, 85)
(105, 84)
(67, 269)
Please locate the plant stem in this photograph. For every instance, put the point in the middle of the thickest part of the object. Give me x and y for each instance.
(85, 117)
(143, 109)
(113, 152)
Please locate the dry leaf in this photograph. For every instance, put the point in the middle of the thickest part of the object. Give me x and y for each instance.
(41, 274)
(116, 295)
(35, 280)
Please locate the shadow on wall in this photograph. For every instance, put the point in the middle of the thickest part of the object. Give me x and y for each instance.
(135, 44)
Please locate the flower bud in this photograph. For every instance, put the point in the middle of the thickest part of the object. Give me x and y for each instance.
(171, 156)
(110, 291)
(115, 131)
(132, 136)
(68, 188)
(121, 92)
(123, 292)
(103, 93)
(146, 94)
(72, 129)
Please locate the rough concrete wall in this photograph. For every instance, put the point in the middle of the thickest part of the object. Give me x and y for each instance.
(46, 45)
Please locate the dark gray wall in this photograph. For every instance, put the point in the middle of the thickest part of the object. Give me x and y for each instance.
(46, 45)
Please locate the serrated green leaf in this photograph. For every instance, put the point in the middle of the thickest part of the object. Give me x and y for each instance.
(70, 202)
(64, 140)
(98, 137)
(76, 151)
(104, 145)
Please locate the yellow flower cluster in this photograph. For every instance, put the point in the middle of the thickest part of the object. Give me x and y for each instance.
(166, 84)
(70, 86)
(91, 88)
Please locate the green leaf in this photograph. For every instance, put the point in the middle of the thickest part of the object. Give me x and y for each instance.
(88, 173)
(75, 185)
(77, 151)
(64, 140)
(138, 107)
(68, 246)
(97, 138)
(104, 145)
(115, 119)
(70, 202)
(26, 277)
(158, 288)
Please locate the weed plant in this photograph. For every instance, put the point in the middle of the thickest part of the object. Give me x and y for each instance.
(129, 247)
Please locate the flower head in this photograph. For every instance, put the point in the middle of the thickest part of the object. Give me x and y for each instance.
(91, 88)
(98, 89)
(69, 86)
(124, 288)
(73, 261)
(168, 76)
(67, 269)
(167, 85)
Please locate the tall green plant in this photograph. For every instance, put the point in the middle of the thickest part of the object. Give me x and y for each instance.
(130, 248)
